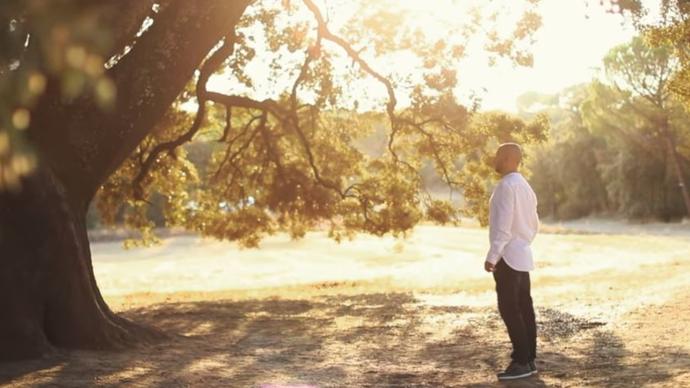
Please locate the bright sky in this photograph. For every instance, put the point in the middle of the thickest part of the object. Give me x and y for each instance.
(569, 47)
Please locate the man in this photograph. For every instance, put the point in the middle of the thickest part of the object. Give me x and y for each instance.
(513, 224)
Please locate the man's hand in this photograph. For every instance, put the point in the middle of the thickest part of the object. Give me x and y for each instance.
(489, 267)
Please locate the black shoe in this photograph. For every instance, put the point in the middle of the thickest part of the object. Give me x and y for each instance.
(515, 371)
(533, 367)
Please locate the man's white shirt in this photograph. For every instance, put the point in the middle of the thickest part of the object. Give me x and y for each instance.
(513, 222)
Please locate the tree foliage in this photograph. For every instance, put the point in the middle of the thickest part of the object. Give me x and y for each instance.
(620, 142)
(565, 170)
(283, 135)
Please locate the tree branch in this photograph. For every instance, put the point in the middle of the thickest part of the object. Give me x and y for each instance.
(230, 158)
(434, 149)
(325, 32)
(207, 69)
(89, 143)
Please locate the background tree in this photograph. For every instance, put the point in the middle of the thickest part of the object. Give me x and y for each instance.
(566, 171)
(626, 134)
(637, 106)
(93, 99)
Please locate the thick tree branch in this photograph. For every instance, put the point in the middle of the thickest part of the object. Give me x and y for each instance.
(228, 124)
(207, 69)
(90, 143)
(268, 105)
(287, 118)
(124, 26)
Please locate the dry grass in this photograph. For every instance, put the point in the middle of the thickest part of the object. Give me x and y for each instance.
(612, 311)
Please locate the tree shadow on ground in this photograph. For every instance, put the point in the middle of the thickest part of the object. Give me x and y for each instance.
(605, 361)
(219, 343)
(366, 340)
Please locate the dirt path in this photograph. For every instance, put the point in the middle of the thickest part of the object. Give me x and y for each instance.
(612, 311)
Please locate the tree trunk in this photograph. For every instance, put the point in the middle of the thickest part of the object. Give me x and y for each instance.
(49, 295)
(675, 159)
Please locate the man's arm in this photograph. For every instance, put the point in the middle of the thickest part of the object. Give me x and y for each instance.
(500, 222)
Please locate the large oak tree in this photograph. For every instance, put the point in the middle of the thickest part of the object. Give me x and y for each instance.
(95, 102)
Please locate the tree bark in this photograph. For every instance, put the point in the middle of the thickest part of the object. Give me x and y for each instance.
(49, 293)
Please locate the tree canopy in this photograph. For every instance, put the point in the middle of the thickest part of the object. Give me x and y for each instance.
(284, 132)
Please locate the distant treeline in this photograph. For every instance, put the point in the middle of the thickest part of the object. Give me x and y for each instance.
(619, 145)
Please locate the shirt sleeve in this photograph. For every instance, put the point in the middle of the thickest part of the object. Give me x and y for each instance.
(501, 211)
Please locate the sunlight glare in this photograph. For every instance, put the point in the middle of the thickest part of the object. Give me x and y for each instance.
(567, 49)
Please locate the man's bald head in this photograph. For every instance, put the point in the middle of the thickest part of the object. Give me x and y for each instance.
(508, 158)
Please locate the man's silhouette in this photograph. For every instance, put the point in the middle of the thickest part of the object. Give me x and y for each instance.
(513, 224)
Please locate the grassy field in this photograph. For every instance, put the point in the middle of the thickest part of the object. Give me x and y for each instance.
(611, 308)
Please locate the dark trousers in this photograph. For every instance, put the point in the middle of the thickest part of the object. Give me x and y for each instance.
(515, 306)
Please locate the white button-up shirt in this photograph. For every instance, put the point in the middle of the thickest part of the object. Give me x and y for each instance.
(513, 222)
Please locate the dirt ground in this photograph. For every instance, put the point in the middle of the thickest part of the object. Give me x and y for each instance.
(612, 310)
